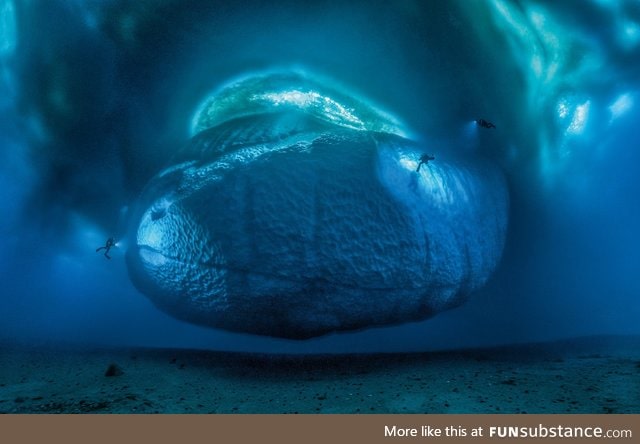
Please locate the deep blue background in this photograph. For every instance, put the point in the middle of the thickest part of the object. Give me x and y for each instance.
(95, 96)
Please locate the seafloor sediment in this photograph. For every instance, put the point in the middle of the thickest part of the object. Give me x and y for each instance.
(587, 375)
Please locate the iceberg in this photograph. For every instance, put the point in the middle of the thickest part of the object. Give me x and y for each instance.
(296, 210)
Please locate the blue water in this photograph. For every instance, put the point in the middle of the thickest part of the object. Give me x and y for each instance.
(96, 102)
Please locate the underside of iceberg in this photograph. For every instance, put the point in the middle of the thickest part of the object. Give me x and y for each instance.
(297, 210)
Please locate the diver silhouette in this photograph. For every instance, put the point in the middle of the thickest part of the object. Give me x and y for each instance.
(110, 243)
(485, 123)
(425, 158)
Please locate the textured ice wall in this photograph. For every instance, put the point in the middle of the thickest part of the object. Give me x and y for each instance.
(293, 213)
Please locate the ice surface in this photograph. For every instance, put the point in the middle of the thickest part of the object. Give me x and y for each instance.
(294, 91)
(292, 223)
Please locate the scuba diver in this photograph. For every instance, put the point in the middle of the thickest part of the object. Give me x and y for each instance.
(485, 123)
(110, 243)
(425, 158)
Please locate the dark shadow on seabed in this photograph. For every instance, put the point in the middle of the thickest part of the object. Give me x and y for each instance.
(586, 375)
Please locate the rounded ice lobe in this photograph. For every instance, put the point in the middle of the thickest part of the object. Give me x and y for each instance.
(287, 220)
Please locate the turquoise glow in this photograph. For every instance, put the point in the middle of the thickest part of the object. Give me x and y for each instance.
(569, 75)
(8, 31)
(620, 106)
(579, 119)
(295, 92)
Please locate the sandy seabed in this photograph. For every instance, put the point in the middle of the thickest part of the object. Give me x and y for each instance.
(586, 375)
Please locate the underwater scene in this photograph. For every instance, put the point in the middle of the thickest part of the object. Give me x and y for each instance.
(319, 207)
